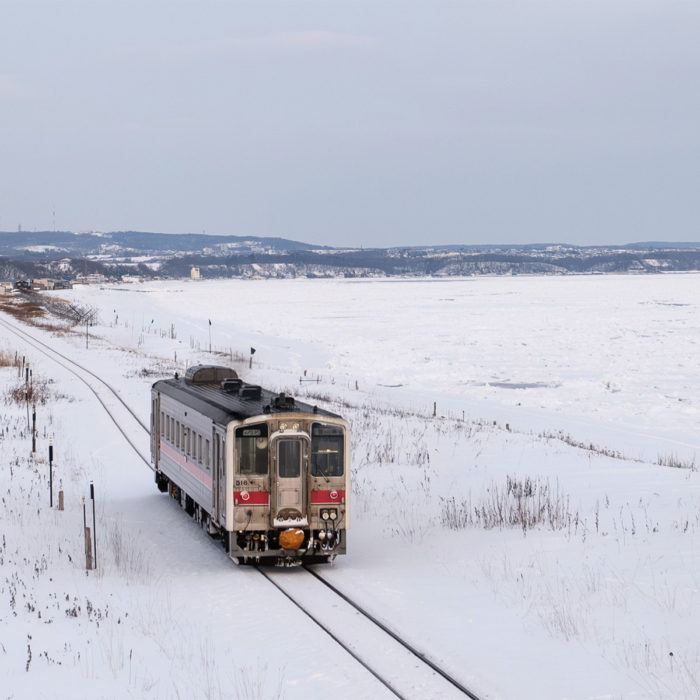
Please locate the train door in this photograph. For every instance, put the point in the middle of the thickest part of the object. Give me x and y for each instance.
(217, 470)
(291, 455)
(220, 484)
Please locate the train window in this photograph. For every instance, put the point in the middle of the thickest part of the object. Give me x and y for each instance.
(206, 453)
(199, 448)
(162, 424)
(188, 438)
(289, 452)
(251, 449)
(177, 433)
(327, 449)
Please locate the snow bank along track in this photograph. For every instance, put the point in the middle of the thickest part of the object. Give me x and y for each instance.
(403, 669)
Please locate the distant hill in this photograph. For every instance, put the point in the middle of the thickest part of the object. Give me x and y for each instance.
(118, 254)
(48, 245)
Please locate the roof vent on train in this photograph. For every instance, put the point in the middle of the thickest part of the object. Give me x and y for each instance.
(209, 374)
(250, 391)
(231, 386)
(282, 402)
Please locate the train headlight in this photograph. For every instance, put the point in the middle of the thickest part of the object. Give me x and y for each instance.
(295, 426)
(321, 534)
(324, 514)
(334, 515)
(283, 426)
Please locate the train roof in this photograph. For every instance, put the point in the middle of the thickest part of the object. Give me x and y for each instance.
(217, 392)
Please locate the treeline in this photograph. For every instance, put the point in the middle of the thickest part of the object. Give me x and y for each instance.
(359, 263)
(424, 263)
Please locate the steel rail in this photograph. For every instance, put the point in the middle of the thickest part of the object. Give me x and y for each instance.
(333, 636)
(409, 647)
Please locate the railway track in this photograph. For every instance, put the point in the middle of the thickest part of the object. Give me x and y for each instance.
(403, 669)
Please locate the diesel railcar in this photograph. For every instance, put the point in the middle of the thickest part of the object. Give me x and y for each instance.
(266, 473)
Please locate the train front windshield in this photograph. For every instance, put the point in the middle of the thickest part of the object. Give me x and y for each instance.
(327, 450)
(251, 448)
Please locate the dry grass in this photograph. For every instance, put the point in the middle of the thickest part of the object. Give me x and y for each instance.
(7, 359)
(39, 313)
(522, 502)
(37, 392)
(22, 310)
(672, 460)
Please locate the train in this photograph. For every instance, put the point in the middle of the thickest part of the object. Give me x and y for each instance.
(262, 471)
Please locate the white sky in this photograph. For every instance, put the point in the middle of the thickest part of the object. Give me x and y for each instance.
(358, 123)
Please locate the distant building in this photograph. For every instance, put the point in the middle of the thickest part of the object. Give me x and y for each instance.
(94, 278)
(132, 278)
(194, 274)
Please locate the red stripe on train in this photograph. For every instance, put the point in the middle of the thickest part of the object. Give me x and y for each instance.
(188, 466)
(251, 498)
(333, 496)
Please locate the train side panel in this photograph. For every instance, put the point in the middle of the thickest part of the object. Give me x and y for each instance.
(185, 451)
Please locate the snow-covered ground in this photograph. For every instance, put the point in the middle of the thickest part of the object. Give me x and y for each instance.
(554, 397)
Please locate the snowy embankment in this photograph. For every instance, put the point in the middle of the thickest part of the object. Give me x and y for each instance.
(525, 536)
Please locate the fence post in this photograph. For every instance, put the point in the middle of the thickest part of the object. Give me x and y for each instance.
(88, 550)
(94, 524)
(86, 537)
(51, 471)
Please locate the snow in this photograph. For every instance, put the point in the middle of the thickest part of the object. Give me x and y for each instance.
(598, 601)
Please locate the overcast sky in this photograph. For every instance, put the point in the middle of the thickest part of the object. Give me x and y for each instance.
(372, 123)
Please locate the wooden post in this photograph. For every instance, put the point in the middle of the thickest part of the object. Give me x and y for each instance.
(60, 500)
(434, 409)
(88, 549)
